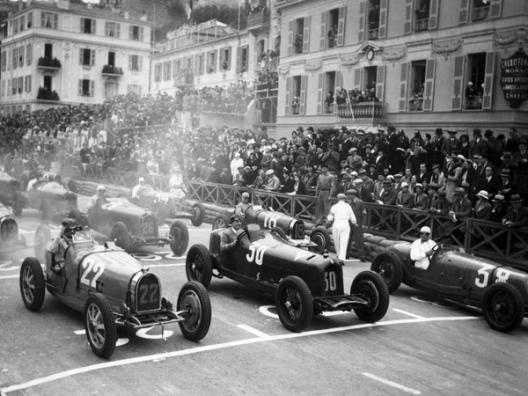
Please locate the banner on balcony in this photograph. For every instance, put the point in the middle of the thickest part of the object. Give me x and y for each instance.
(514, 78)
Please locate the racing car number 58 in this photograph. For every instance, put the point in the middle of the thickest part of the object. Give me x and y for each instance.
(483, 274)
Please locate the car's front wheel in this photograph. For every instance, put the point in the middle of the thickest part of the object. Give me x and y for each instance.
(100, 326)
(370, 287)
(389, 266)
(221, 221)
(32, 284)
(198, 214)
(198, 265)
(179, 237)
(194, 300)
(321, 237)
(294, 303)
(503, 307)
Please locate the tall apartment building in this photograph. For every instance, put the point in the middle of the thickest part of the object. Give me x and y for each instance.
(414, 64)
(62, 53)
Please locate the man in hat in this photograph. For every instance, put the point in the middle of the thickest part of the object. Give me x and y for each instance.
(516, 214)
(461, 207)
(322, 193)
(340, 215)
(404, 198)
(387, 194)
(99, 199)
(421, 199)
(244, 206)
(478, 145)
(233, 234)
(367, 187)
(482, 208)
(422, 249)
(498, 211)
(437, 178)
(59, 246)
(357, 229)
(138, 189)
(506, 187)
(451, 145)
(489, 181)
(272, 182)
(440, 205)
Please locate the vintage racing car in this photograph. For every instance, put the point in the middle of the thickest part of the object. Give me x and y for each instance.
(131, 226)
(166, 206)
(10, 193)
(8, 228)
(319, 239)
(501, 291)
(304, 283)
(111, 289)
(51, 198)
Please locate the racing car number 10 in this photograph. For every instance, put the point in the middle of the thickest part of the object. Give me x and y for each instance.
(92, 271)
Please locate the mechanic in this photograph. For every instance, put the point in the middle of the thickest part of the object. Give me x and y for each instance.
(242, 208)
(99, 198)
(62, 242)
(230, 236)
(422, 249)
(138, 188)
(357, 230)
(340, 215)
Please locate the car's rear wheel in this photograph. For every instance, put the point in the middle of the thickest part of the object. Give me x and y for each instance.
(198, 265)
(100, 326)
(321, 237)
(179, 237)
(32, 284)
(294, 303)
(221, 221)
(42, 238)
(194, 300)
(389, 266)
(370, 287)
(503, 307)
(198, 214)
(120, 236)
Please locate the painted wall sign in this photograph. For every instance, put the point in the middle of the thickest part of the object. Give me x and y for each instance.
(514, 78)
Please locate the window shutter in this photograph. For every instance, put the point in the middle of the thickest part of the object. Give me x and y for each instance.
(288, 98)
(92, 57)
(81, 27)
(94, 26)
(130, 62)
(402, 106)
(80, 87)
(358, 78)
(29, 55)
(324, 30)
(92, 88)
(380, 82)
(320, 88)
(239, 60)
(81, 51)
(463, 16)
(407, 27)
(495, 8)
(15, 56)
(338, 81)
(430, 67)
(457, 83)
(290, 38)
(228, 54)
(130, 32)
(55, 21)
(306, 34)
(487, 99)
(433, 14)
(42, 20)
(383, 16)
(302, 99)
(362, 20)
(141, 33)
(341, 27)
(140, 63)
(118, 28)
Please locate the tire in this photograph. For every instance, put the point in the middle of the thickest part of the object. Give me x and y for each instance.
(221, 221)
(294, 303)
(321, 237)
(42, 238)
(193, 297)
(100, 326)
(32, 284)
(198, 265)
(503, 307)
(179, 237)
(371, 287)
(389, 266)
(198, 211)
(120, 236)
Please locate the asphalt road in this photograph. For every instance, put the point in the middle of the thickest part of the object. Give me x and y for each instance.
(420, 347)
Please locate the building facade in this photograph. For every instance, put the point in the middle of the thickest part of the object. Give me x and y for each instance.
(413, 64)
(62, 53)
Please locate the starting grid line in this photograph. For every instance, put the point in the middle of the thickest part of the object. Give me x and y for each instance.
(225, 345)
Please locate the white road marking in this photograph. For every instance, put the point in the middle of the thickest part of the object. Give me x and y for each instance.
(164, 265)
(119, 342)
(8, 277)
(252, 330)
(79, 332)
(266, 311)
(214, 347)
(393, 384)
(143, 333)
(407, 313)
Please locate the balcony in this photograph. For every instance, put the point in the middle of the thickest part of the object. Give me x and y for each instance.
(421, 25)
(48, 64)
(373, 34)
(480, 13)
(110, 71)
(47, 95)
(363, 111)
(258, 19)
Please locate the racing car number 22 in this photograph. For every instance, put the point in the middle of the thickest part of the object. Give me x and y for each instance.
(92, 271)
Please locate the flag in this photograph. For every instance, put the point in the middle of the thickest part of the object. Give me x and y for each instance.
(189, 8)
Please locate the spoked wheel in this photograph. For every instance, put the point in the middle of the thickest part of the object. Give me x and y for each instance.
(194, 300)
(179, 237)
(198, 265)
(294, 303)
(100, 325)
(221, 221)
(32, 284)
(388, 265)
(371, 287)
(321, 237)
(42, 237)
(198, 214)
(503, 307)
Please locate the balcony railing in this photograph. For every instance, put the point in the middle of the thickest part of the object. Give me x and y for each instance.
(421, 25)
(47, 94)
(258, 19)
(480, 13)
(48, 63)
(373, 34)
(112, 71)
(365, 110)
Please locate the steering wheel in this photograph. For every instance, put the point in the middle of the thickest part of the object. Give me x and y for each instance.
(242, 235)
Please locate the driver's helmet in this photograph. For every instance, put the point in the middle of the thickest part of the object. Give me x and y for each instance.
(68, 228)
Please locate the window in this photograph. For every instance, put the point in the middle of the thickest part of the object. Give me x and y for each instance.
(211, 62)
(166, 71)
(329, 92)
(298, 35)
(88, 25)
(49, 20)
(296, 95)
(29, 54)
(136, 33)
(28, 83)
(112, 29)
(417, 86)
(110, 89)
(22, 22)
(86, 87)
(14, 86)
(47, 82)
(157, 72)
(421, 20)
(480, 10)
(135, 63)
(474, 89)
(8, 91)
(111, 58)
(134, 88)
(48, 50)
(332, 27)
(373, 19)
(369, 84)
(225, 59)
(243, 59)
(21, 57)
(200, 65)
(3, 60)
(15, 26)
(20, 84)
(261, 44)
(87, 57)
(29, 20)
(2, 88)
(15, 58)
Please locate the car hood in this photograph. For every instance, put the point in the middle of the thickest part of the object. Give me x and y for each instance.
(123, 206)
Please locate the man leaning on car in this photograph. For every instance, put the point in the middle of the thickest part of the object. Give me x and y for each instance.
(422, 249)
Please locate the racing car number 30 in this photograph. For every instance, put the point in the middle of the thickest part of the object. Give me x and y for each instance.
(330, 281)
(256, 253)
(92, 271)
